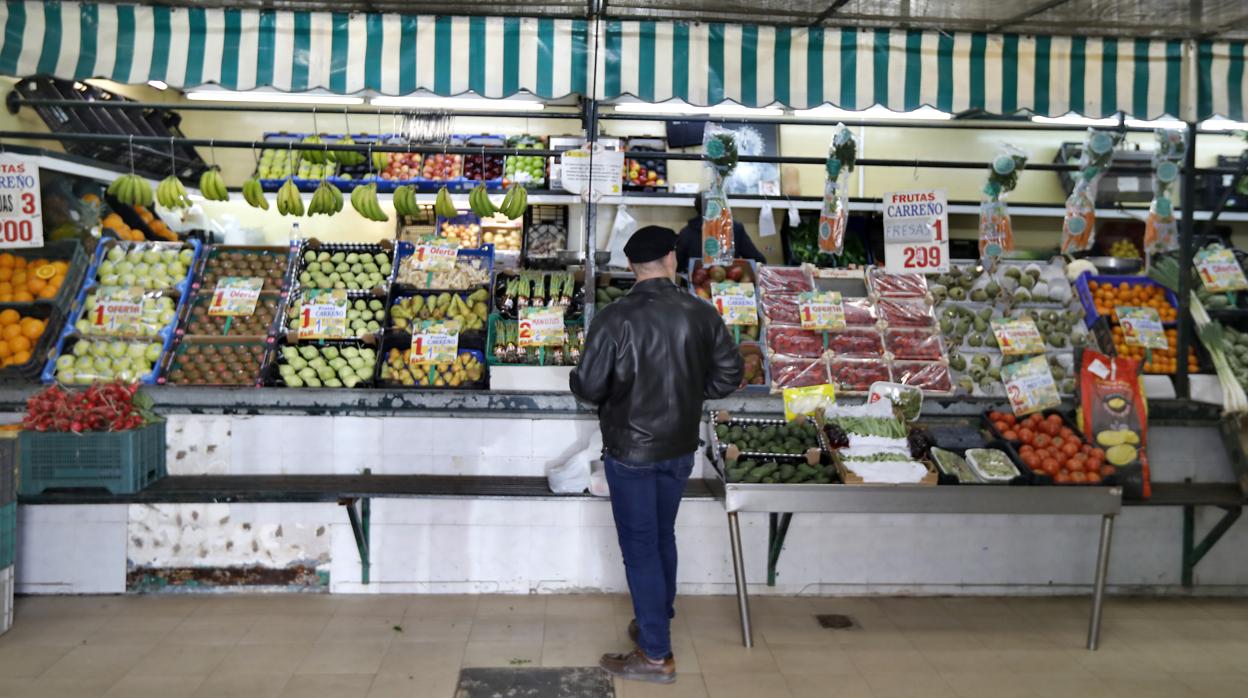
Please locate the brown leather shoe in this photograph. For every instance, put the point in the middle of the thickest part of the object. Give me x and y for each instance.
(634, 632)
(635, 667)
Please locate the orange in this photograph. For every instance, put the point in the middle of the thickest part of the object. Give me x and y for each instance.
(62, 268)
(32, 328)
(35, 285)
(19, 344)
(21, 357)
(7, 260)
(5, 352)
(9, 316)
(10, 331)
(47, 293)
(23, 297)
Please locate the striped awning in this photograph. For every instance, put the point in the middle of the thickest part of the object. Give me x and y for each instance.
(1221, 81)
(653, 61)
(242, 49)
(899, 69)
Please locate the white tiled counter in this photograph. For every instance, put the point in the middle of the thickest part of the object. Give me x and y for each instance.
(549, 545)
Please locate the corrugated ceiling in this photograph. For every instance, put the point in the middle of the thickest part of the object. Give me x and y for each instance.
(1226, 19)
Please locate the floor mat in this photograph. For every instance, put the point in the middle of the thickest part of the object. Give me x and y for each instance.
(536, 682)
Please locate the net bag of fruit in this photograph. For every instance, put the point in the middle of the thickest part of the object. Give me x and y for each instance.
(1115, 419)
(996, 234)
(1079, 224)
(1161, 232)
(720, 146)
(834, 215)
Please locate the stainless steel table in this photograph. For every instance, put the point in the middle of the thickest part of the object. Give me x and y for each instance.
(1051, 500)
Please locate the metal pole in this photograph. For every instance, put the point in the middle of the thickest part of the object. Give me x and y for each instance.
(1098, 584)
(1187, 234)
(591, 210)
(738, 570)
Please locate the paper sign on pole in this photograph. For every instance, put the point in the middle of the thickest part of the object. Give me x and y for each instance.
(434, 342)
(1220, 271)
(605, 178)
(916, 232)
(118, 310)
(430, 257)
(821, 310)
(1030, 386)
(235, 295)
(1141, 327)
(735, 302)
(1018, 336)
(21, 207)
(542, 327)
(324, 315)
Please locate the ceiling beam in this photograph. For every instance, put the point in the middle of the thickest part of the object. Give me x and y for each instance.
(1239, 22)
(823, 16)
(1027, 14)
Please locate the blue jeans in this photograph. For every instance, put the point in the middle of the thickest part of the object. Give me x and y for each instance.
(644, 501)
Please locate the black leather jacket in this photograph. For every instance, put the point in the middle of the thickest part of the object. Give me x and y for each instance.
(652, 357)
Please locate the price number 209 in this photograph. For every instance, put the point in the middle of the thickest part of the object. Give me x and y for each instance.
(921, 256)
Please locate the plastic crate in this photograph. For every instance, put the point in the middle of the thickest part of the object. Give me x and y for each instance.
(8, 534)
(122, 462)
(29, 371)
(492, 360)
(1090, 315)
(468, 344)
(8, 467)
(544, 214)
(407, 249)
(69, 251)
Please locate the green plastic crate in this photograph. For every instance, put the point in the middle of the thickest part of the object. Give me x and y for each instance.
(8, 534)
(122, 462)
(8, 468)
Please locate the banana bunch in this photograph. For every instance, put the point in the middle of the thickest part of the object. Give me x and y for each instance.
(131, 190)
(364, 200)
(381, 161)
(479, 202)
(212, 186)
(289, 203)
(405, 201)
(316, 157)
(171, 194)
(443, 206)
(516, 201)
(346, 158)
(326, 200)
(253, 193)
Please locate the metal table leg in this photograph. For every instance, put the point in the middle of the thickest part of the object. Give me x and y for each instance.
(1098, 584)
(738, 569)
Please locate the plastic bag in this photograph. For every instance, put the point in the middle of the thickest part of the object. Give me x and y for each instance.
(766, 221)
(1079, 225)
(834, 215)
(573, 475)
(996, 232)
(1161, 231)
(621, 230)
(718, 244)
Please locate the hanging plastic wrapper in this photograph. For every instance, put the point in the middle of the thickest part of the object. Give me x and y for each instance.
(766, 221)
(720, 145)
(996, 234)
(1079, 223)
(834, 215)
(1161, 231)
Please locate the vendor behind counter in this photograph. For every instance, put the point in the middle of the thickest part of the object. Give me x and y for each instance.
(689, 242)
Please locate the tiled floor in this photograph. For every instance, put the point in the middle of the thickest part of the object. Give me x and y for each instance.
(414, 646)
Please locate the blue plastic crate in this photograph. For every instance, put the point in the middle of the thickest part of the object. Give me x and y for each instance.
(485, 252)
(1090, 315)
(122, 462)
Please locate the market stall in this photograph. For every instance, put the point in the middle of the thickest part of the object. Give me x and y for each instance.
(408, 266)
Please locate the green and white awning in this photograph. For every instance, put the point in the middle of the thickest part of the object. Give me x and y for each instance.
(702, 64)
(899, 69)
(242, 49)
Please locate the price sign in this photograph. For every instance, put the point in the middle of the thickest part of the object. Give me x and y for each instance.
(324, 315)
(1220, 271)
(542, 327)
(735, 302)
(821, 310)
(118, 311)
(434, 342)
(236, 295)
(1018, 336)
(21, 207)
(602, 179)
(916, 232)
(1141, 327)
(429, 257)
(1030, 386)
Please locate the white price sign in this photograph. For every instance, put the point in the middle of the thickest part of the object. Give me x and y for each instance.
(916, 232)
(21, 209)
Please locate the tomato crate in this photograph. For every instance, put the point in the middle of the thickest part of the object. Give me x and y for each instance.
(122, 462)
(8, 534)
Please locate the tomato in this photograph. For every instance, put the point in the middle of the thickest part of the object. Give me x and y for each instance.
(996, 416)
(1075, 466)
(1099, 453)
(1010, 435)
(1094, 478)
(1054, 419)
(1050, 466)
(1079, 477)
(1085, 449)
(1107, 470)
(1058, 441)
(1062, 478)
(1095, 463)
(1070, 448)
(1026, 435)
(1041, 440)
(1066, 432)
(1033, 461)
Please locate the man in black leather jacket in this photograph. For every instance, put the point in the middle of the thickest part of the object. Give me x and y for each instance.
(651, 360)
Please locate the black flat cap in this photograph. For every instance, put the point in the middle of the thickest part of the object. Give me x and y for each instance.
(650, 243)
